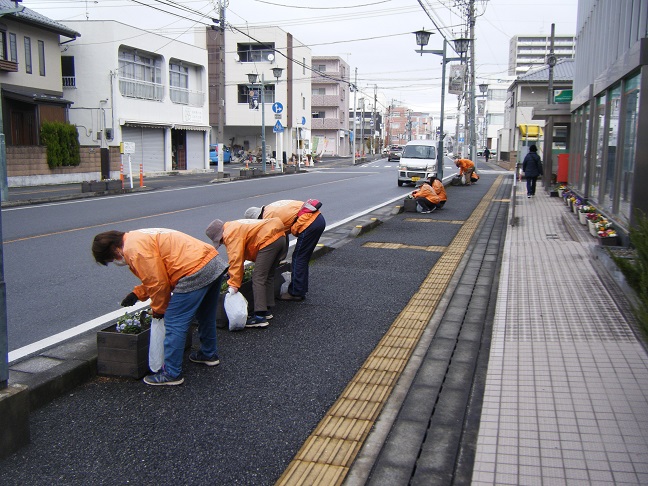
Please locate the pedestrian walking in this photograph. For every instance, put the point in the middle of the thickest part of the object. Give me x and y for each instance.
(182, 276)
(306, 222)
(466, 169)
(439, 188)
(426, 197)
(261, 242)
(532, 168)
(487, 154)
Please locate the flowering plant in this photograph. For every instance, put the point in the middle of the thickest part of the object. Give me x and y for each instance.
(606, 233)
(132, 324)
(586, 208)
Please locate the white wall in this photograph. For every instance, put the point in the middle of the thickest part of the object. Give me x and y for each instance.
(97, 78)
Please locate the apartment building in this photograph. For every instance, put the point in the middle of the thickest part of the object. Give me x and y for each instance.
(277, 106)
(129, 85)
(530, 51)
(330, 106)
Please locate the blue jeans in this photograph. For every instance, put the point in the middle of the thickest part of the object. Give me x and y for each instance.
(531, 185)
(304, 247)
(201, 304)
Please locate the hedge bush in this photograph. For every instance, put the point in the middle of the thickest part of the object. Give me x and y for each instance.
(62, 142)
(636, 271)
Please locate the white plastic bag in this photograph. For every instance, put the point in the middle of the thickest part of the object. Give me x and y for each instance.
(156, 345)
(236, 308)
(284, 286)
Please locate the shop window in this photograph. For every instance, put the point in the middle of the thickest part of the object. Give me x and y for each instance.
(598, 147)
(610, 159)
(630, 125)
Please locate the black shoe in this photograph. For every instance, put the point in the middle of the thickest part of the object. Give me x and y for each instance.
(198, 357)
(257, 321)
(289, 296)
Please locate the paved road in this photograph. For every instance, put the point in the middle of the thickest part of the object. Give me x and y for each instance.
(243, 422)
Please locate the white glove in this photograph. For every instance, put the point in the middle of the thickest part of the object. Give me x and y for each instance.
(232, 290)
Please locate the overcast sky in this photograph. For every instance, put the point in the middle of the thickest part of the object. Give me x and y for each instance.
(374, 36)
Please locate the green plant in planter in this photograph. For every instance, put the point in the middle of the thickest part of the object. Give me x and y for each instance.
(247, 276)
(636, 270)
(62, 142)
(133, 323)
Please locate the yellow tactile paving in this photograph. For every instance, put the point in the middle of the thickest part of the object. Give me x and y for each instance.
(329, 452)
(401, 246)
(426, 220)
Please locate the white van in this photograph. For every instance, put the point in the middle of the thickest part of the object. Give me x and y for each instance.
(418, 161)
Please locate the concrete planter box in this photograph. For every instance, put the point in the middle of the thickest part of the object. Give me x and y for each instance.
(609, 241)
(113, 185)
(582, 217)
(93, 186)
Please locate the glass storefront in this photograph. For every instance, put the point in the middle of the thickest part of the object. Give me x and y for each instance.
(581, 176)
(598, 147)
(630, 122)
(607, 200)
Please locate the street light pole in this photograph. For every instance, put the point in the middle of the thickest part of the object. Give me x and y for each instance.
(252, 78)
(422, 39)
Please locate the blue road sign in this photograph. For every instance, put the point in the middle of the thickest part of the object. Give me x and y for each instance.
(277, 107)
(278, 127)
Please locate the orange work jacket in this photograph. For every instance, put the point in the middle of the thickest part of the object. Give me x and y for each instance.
(464, 165)
(244, 238)
(159, 258)
(438, 187)
(428, 193)
(286, 210)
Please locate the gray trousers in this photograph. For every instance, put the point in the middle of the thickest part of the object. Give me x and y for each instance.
(266, 263)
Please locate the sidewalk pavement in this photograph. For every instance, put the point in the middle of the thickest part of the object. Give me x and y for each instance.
(438, 348)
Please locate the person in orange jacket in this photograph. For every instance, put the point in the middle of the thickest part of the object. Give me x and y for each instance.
(439, 188)
(260, 241)
(426, 197)
(182, 276)
(467, 167)
(303, 220)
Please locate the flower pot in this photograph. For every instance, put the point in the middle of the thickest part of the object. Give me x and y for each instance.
(113, 185)
(609, 241)
(575, 208)
(126, 355)
(97, 186)
(592, 228)
(120, 354)
(582, 217)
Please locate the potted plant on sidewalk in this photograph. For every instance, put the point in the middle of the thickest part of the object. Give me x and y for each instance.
(122, 348)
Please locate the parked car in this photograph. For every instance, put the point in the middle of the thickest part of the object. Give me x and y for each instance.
(213, 154)
(394, 153)
(417, 162)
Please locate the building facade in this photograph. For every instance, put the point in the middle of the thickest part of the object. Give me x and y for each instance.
(608, 161)
(528, 91)
(330, 106)
(32, 86)
(530, 51)
(250, 109)
(142, 89)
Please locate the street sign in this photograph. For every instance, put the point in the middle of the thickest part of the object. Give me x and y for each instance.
(278, 116)
(278, 127)
(303, 120)
(277, 107)
(128, 147)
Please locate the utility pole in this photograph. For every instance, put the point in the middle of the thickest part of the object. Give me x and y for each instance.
(373, 121)
(473, 111)
(551, 61)
(355, 114)
(362, 152)
(221, 89)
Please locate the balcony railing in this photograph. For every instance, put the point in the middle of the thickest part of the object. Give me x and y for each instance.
(326, 100)
(69, 81)
(326, 124)
(185, 96)
(141, 89)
